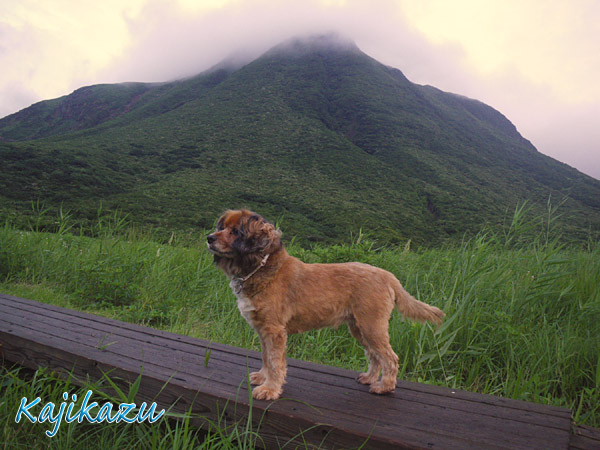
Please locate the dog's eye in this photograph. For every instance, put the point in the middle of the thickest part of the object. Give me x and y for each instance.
(234, 231)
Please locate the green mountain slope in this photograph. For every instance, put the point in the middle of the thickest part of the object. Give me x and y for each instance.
(314, 132)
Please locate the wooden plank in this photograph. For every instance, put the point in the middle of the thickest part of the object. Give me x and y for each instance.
(585, 438)
(483, 404)
(481, 408)
(123, 328)
(414, 416)
(55, 325)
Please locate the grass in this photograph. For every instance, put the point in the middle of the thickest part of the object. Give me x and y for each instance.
(522, 310)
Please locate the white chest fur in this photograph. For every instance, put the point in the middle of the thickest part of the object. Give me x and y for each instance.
(244, 303)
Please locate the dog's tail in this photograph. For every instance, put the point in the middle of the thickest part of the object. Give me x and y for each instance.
(414, 309)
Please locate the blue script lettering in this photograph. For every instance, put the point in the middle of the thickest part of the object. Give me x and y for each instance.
(68, 417)
(85, 409)
(24, 409)
(150, 414)
(47, 414)
(104, 414)
(124, 410)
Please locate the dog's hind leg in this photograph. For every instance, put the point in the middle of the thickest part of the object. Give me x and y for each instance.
(372, 374)
(378, 341)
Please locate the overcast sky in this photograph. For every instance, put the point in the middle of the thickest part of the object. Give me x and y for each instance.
(536, 61)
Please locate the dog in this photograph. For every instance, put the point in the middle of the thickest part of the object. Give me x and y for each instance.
(279, 295)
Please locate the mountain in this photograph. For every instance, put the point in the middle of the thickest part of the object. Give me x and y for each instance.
(314, 133)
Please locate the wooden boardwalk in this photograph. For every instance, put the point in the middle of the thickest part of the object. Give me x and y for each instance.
(323, 403)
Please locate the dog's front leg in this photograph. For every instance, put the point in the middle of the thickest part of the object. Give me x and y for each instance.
(273, 341)
(259, 377)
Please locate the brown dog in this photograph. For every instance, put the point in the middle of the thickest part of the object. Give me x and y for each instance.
(279, 295)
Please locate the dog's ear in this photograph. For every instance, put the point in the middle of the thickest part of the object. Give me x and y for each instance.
(228, 218)
(221, 221)
(257, 235)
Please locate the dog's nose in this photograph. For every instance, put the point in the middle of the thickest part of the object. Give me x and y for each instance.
(211, 238)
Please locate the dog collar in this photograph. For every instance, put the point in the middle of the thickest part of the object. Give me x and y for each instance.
(261, 265)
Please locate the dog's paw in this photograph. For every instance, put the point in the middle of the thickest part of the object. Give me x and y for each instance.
(381, 388)
(266, 393)
(257, 378)
(366, 378)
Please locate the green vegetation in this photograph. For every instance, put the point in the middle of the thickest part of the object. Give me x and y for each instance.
(321, 136)
(522, 313)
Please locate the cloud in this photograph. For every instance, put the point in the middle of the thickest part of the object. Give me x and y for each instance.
(48, 48)
(18, 74)
(570, 134)
(171, 42)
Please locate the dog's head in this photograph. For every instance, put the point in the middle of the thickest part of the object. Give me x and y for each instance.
(241, 240)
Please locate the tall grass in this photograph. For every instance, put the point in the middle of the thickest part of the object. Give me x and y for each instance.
(522, 309)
